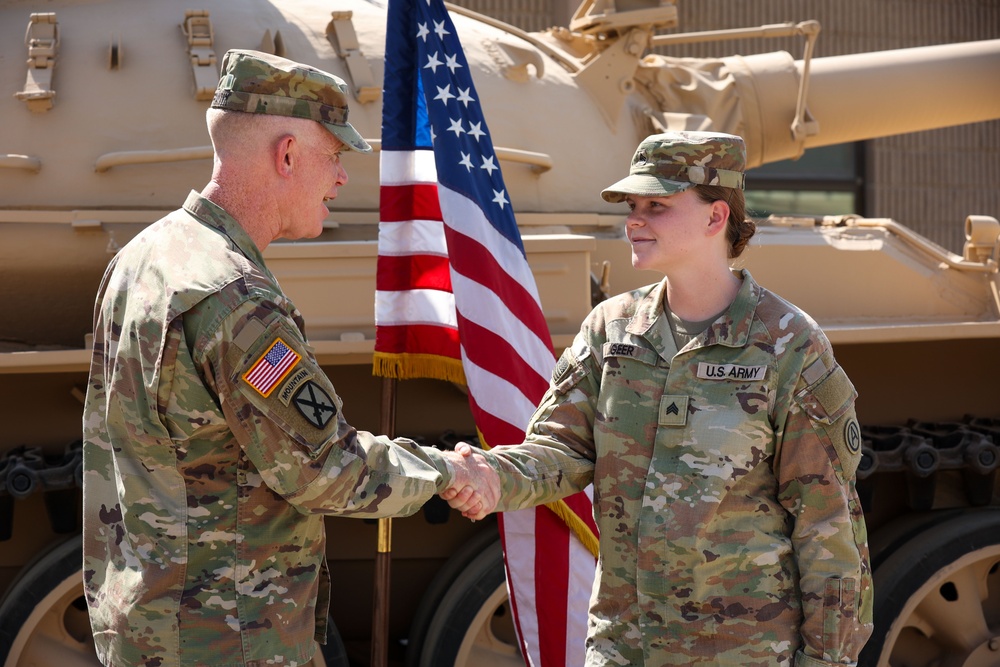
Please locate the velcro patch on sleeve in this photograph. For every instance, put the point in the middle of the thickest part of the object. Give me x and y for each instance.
(272, 367)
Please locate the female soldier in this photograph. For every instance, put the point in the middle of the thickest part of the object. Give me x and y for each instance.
(720, 435)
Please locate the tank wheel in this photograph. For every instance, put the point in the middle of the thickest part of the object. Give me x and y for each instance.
(439, 586)
(44, 621)
(937, 598)
(472, 626)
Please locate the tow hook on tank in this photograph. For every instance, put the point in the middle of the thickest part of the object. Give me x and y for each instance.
(25, 470)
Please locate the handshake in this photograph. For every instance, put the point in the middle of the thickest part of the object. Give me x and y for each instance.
(475, 485)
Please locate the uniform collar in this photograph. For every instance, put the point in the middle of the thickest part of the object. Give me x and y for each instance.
(732, 328)
(213, 215)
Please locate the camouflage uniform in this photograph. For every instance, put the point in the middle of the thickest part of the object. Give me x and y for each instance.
(213, 444)
(213, 441)
(731, 532)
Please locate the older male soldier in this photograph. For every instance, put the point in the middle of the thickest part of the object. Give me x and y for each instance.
(213, 441)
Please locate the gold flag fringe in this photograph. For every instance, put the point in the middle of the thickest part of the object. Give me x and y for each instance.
(412, 366)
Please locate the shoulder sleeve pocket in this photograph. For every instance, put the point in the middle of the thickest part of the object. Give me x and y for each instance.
(829, 403)
(570, 368)
(828, 398)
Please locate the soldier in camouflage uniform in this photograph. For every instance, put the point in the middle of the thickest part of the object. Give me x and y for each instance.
(720, 435)
(213, 441)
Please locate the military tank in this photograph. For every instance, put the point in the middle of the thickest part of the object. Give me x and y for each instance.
(103, 132)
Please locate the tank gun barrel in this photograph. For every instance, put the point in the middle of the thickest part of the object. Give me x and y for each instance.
(869, 95)
(850, 98)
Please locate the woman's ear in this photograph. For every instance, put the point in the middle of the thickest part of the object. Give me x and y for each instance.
(718, 217)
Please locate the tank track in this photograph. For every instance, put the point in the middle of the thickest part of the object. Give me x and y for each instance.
(924, 452)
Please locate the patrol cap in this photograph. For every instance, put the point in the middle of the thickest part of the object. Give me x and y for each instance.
(668, 163)
(256, 82)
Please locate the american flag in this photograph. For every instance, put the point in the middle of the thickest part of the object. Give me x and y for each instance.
(271, 367)
(456, 300)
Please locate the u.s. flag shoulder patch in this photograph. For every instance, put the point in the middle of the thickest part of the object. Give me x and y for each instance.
(272, 367)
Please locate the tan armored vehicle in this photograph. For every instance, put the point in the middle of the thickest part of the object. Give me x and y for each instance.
(102, 132)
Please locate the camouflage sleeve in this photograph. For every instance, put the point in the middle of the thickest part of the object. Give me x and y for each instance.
(557, 457)
(289, 420)
(819, 451)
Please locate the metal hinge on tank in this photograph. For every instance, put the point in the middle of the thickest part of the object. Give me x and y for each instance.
(42, 40)
(342, 36)
(197, 28)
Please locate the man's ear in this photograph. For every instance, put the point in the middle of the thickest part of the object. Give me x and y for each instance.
(285, 154)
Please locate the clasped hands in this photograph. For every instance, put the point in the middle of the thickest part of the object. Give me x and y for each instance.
(475, 486)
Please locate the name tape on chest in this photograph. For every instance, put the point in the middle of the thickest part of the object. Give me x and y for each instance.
(736, 372)
(629, 351)
(272, 367)
(622, 350)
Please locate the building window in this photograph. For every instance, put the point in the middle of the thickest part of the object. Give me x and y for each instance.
(824, 181)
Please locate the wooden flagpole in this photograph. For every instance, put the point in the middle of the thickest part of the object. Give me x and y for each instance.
(383, 555)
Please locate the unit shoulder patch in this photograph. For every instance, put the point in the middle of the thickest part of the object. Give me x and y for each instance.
(852, 435)
(313, 403)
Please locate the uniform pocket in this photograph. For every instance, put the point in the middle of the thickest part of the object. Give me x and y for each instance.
(829, 403)
(840, 609)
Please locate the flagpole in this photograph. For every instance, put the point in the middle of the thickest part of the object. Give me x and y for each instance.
(383, 555)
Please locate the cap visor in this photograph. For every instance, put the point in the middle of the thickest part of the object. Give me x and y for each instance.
(643, 185)
(349, 137)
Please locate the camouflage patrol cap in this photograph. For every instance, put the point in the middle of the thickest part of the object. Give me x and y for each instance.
(257, 82)
(665, 164)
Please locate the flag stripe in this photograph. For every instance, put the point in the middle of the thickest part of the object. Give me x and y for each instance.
(551, 593)
(421, 339)
(406, 167)
(409, 201)
(472, 260)
(416, 306)
(505, 401)
(483, 306)
(468, 219)
(412, 237)
(414, 272)
(495, 354)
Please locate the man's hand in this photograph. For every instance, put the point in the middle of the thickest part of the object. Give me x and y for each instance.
(475, 487)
